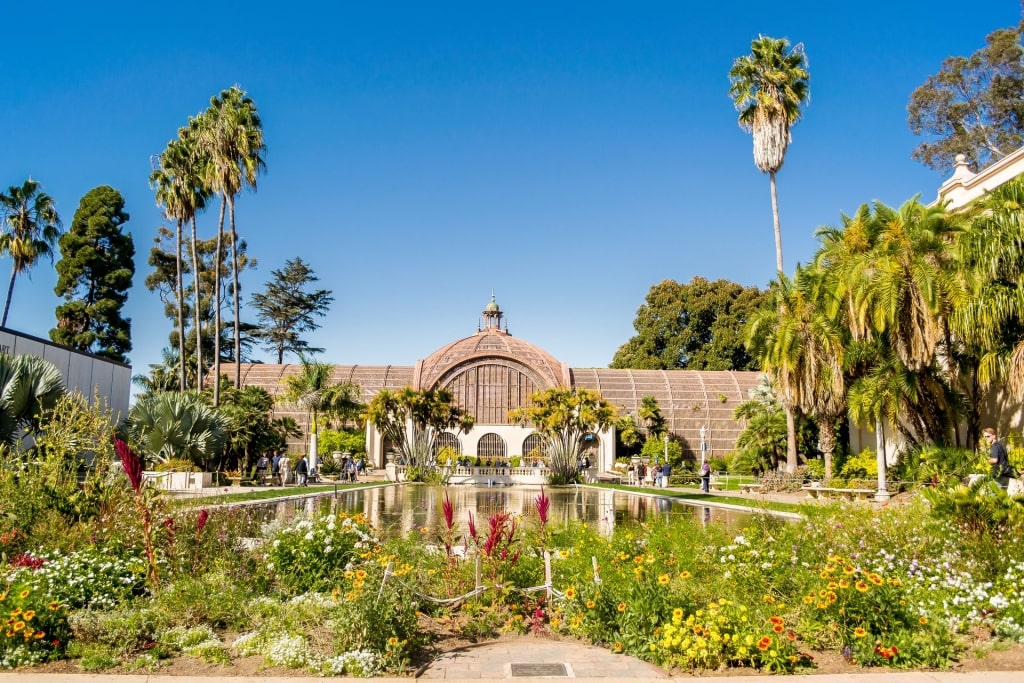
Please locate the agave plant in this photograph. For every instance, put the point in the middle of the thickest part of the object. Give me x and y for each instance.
(29, 386)
(177, 425)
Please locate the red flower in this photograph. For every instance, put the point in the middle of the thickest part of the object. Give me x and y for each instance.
(543, 505)
(130, 462)
(204, 515)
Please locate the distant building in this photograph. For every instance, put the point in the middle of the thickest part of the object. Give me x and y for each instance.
(492, 372)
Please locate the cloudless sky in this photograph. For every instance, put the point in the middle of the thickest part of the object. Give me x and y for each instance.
(567, 155)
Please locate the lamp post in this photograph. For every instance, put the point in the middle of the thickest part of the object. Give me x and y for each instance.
(703, 441)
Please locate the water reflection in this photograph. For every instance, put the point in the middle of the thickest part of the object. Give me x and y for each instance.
(397, 510)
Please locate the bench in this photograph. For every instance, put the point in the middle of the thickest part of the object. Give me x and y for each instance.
(751, 488)
(716, 486)
(828, 492)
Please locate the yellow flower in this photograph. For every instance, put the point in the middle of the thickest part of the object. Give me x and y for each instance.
(861, 586)
(392, 641)
(590, 604)
(677, 613)
(664, 579)
(923, 620)
(618, 646)
(859, 632)
(570, 592)
(563, 554)
(18, 625)
(54, 606)
(29, 614)
(769, 599)
(622, 607)
(25, 593)
(684, 575)
(875, 579)
(361, 574)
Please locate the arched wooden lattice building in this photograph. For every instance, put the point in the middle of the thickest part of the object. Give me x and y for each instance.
(492, 372)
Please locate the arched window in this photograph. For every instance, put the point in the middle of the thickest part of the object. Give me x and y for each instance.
(533, 441)
(490, 446)
(447, 440)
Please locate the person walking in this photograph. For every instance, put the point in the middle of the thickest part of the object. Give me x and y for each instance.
(275, 468)
(262, 465)
(998, 458)
(301, 471)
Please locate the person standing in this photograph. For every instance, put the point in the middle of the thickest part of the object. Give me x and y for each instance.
(301, 471)
(705, 477)
(998, 458)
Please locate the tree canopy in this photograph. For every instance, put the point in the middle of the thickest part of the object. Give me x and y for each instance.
(95, 273)
(694, 326)
(973, 106)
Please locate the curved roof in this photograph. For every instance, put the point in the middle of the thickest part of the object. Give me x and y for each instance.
(490, 343)
(688, 399)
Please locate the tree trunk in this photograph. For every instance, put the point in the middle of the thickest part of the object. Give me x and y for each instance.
(10, 293)
(216, 307)
(791, 456)
(827, 438)
(778, 226)
(198, 295)
(234, 295)
(180, 293)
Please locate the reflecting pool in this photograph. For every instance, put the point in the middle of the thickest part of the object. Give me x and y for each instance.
(397, 510)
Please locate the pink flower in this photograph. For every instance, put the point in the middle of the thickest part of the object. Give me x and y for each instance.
(543, 506)
(449, 512)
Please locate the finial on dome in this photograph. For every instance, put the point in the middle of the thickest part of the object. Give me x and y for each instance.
(492, 314)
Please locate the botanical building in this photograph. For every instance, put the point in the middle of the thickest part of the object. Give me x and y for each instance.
(492, 372)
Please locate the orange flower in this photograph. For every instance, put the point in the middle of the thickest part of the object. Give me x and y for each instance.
(861, 586)
(622, 607)
(875, 579)
(776, 620)
(859, 632)
(923, 620)
(590, 604)
(764, 643)
(618, 646)
(778, 628)
(769, 599)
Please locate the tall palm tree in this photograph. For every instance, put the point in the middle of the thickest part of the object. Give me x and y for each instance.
(232, 136)
(179, 191)
(768, 87)
(31, 228)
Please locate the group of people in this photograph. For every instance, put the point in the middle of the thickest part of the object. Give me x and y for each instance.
(643, 474)
(277, 464)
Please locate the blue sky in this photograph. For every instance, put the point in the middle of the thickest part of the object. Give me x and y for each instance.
(566, 155)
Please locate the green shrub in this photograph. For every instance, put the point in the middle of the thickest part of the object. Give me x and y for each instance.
(864, 465)
(312, 554)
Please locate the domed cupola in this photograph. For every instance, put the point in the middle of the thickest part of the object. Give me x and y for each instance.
(491, 371)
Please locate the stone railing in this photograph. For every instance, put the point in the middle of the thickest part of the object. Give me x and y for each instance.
(488, 476)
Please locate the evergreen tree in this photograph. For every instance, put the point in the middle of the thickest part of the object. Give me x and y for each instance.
(286, 309)
(94, 275)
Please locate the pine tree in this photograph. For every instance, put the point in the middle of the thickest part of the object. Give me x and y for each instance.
(94, 275)
(286, 309)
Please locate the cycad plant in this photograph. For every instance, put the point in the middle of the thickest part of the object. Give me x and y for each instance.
(169, 425)
(29, 386)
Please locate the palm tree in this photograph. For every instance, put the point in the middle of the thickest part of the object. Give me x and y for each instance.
(29, 386)
(169, 426)
(30, 231)
(768, 87)
(232, 136)
(802, 345)
(179, 191)
(992, 247)
(311, 390)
